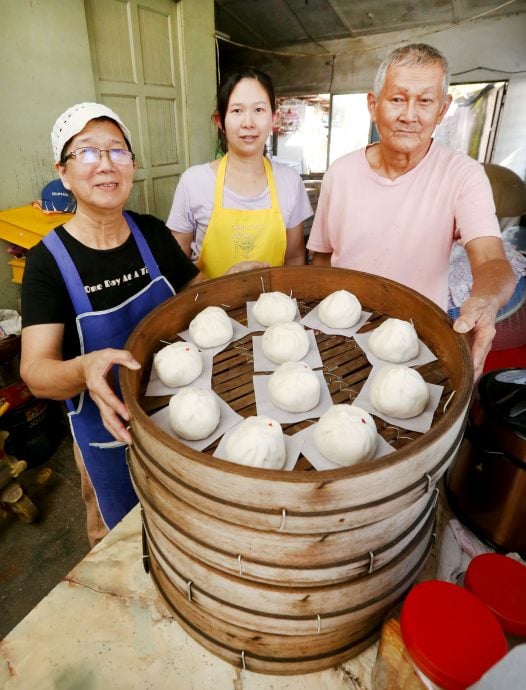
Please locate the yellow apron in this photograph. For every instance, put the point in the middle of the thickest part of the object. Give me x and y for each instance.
(235, 235)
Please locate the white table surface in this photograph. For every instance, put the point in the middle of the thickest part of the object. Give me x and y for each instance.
(104, 627)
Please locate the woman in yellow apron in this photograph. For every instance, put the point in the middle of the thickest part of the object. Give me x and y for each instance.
(241, 208)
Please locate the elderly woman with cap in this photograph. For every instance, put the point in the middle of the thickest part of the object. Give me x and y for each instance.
(85, 287)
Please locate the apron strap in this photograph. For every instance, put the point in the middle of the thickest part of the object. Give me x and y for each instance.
(144, 249)
(74, 285)
(220, 183)
(274, 201)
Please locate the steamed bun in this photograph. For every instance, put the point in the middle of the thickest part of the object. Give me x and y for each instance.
(283, 342)
(178, 364)
(346, 434)
(211, 327)
(395, 341)
(274, 307)
(340, 309)
(193, 413)
(399, 391)
(294, 387)
(257, 442)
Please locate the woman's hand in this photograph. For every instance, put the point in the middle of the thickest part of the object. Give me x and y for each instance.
(49, 376)
(97, 367)
(247, 266)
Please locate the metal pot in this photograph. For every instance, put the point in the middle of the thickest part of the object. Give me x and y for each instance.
(486, 483)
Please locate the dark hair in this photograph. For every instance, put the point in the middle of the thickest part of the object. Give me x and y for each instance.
(228, 85)
(103, 118)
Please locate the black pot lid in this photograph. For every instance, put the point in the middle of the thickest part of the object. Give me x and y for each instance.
(503, 395)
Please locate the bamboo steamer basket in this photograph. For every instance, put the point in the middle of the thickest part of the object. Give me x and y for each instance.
(247, 600)
(249, 560)
(271, 556)
(260, 641)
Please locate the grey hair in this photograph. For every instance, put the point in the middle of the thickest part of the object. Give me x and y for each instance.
(413, 55)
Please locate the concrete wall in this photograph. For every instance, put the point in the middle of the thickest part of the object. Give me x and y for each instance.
(46, 66)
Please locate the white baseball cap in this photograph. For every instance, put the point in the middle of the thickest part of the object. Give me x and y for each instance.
(73, 121)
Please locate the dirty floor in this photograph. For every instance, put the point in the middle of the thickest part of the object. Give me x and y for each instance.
(35, 557)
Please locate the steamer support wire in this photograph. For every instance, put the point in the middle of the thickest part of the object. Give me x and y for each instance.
(446, 404)
(429, 482)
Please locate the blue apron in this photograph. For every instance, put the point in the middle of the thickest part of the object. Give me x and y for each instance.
(103, 456)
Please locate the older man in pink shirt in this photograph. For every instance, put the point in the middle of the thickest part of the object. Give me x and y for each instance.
(396, 207)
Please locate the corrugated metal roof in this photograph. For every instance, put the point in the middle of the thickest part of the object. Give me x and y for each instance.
(279, 23)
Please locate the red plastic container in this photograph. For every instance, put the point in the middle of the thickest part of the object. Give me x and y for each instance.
(500, 582)
(452, 637)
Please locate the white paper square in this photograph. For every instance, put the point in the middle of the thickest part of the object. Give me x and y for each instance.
(293, 446)
(320, 462)
(227, 420)
(240, 331)
(420, 423)
(424, 354)
(204, 380)
(265, 406)
(313, 321)
(262, 363)
(254, 325)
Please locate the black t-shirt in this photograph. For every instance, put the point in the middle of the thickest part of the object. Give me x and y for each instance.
(110, 276)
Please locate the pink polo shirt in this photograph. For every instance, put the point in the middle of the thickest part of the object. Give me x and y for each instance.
(403, 229)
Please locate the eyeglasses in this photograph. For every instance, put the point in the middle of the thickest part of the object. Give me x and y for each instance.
(90, 155)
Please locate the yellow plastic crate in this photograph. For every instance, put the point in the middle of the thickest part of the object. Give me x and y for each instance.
(17, 269)
(27, 225)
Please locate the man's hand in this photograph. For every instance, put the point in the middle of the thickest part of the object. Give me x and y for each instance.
(477, 321)
(493, 285)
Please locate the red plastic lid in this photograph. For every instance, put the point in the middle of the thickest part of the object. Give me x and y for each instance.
(452, 637)
(500, 582)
